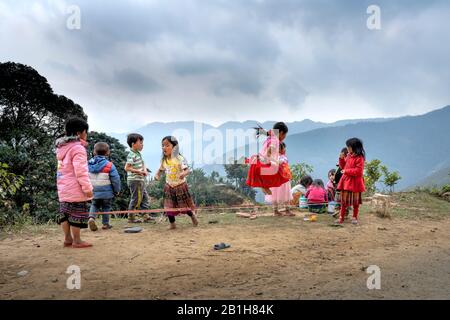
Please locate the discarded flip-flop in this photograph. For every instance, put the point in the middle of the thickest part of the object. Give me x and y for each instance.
(133, 230)
(221, 246)
(336, 225)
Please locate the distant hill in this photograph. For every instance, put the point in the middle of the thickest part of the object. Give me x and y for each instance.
(155, 131)
(416, 146)
(438, 179)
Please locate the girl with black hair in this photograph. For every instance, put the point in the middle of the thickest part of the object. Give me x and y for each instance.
(352, 181)
(176, 192)
(265, 170)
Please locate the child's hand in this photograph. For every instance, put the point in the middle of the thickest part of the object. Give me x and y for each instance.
(183, 175)
(343, 171)
(89, 194)
(144, 173)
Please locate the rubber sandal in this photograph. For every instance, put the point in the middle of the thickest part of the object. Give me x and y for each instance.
(67, 244)
(81, 245)
(92, 225)
(221, 246)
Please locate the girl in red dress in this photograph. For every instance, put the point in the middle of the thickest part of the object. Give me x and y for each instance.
(352, 181)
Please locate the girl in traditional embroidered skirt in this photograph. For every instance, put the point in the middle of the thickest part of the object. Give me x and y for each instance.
(176, 192)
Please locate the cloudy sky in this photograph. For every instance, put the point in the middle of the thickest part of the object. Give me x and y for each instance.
(134, 62)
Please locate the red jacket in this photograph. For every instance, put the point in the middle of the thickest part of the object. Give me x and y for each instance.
(352, 179)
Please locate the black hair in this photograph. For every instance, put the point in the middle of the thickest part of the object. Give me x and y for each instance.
(133, 138)
(101, 149)
(280, 126)
(282, 146)
(357, 147)
(174, 142)
(332, 171)
(76, 125)
(318, 183)
(306, 181)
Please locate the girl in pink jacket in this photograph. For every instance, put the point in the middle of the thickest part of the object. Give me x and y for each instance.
(74, 186)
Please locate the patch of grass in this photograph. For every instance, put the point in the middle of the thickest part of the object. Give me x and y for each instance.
(419, 205)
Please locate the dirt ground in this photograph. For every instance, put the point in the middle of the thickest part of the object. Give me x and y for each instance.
(269, 258)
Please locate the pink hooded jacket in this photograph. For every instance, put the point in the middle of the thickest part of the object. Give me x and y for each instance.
(72, 175)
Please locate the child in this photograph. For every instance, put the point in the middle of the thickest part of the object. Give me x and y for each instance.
(74, 186)
(106, 182)
(282, 195)
(176, 192)
(352, 183)
(264, 169)
(136, 173)
(331, 188)
(337, 178)
(317, 197)
(299, 190)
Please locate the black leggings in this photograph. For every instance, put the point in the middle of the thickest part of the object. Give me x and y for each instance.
(172, 218)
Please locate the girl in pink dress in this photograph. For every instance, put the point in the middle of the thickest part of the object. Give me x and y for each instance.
(282, 196)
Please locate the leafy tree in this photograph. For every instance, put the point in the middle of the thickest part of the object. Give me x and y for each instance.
(372, 173)
(390, 178)
(31, 118)
(9, 184)
(237, 176)
(299, 170)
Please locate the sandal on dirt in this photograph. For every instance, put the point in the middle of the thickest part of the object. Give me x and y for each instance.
(67, 244)
(221, 246)
(81, 245)
(106, 226)
(92, 225)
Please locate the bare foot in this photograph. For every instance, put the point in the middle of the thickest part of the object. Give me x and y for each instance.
(173, 226)
(288, 213)
(194, 220)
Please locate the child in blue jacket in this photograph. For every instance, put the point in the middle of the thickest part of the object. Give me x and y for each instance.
(106, 182)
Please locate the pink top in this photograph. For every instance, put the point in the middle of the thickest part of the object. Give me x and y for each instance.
(272, 142)
(316, 195)
(72, 175)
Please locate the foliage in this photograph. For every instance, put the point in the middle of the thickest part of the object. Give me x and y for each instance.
(299, 170)
(237, 177)
(390, 178)
(372, 173)
(31, 118)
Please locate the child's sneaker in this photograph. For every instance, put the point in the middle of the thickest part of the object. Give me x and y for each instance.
(92, 225)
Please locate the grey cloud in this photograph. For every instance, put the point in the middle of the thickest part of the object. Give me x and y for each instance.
(136, 81)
